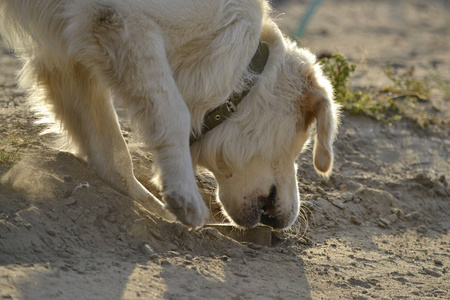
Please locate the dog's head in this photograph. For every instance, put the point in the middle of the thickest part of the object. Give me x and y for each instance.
(252, 155)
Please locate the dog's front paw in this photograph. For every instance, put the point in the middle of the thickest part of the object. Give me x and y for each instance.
(188, 208)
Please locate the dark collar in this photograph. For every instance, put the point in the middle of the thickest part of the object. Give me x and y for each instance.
(219, 114)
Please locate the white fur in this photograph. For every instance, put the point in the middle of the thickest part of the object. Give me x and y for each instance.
(170, 62)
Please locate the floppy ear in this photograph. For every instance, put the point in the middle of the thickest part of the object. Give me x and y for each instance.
(325, 133)
(317, 104)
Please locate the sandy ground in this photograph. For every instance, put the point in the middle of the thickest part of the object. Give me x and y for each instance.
(377, 229)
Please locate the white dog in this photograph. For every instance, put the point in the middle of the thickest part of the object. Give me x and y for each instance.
(171, 63)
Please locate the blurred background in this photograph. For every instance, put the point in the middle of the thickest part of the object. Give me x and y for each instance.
(375, 34)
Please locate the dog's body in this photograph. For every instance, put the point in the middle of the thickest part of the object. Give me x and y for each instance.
(170, 62)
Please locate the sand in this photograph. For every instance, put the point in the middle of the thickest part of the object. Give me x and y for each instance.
(377, 229)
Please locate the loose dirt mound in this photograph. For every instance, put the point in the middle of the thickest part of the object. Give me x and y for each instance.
(377, 229)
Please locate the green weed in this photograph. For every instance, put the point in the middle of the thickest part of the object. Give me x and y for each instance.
(10, 146)
(8, 157)
(393, 102)
(339, 71)
(405, 86)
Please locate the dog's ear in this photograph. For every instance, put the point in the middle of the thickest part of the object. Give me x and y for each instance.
(317, 104)
(323, 141)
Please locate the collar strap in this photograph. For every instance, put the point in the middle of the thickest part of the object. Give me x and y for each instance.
(219, 114)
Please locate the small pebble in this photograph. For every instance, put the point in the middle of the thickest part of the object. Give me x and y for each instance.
(211, 232)
(384, 222)
(165, 262)
(422, 229)
(412, 216)
(255, 246)
(67, 178)
(235, 253)
(241, 274)
(51, 232)
(346, 197)
(148, 251)
(173, 254)
(392, 218)
(355, 220)
(438, 262)
(69, 201)
(397, 195)
(338, 204)
(439, 189)
(71, 251)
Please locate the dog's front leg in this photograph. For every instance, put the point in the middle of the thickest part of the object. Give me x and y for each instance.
(126, 51)
(158, 112)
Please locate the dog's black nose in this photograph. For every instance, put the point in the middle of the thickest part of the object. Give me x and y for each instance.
(268, 216)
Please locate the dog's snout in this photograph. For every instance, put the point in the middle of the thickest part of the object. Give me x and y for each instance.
(265, 210)
(267, 203)
(268, 216)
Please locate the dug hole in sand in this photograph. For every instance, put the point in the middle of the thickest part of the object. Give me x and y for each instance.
(378, 228)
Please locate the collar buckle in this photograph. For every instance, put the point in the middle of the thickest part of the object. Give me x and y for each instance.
(231, 107)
